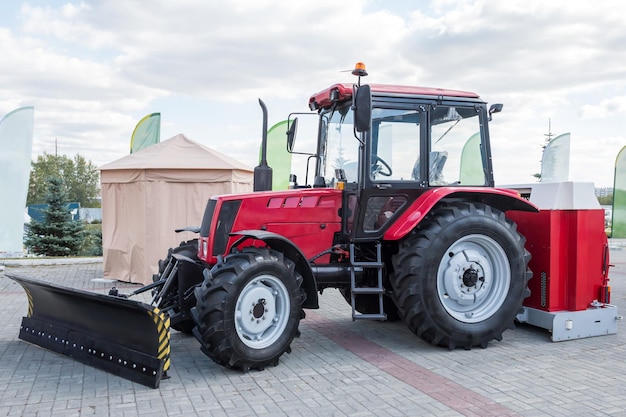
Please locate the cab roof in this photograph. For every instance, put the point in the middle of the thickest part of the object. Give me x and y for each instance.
(344, 91)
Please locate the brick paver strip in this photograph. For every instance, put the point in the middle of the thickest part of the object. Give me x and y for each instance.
(444, 390)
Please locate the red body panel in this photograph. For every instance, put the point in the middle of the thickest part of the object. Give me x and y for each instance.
(569, 257)
(307, 217)
(502, 198)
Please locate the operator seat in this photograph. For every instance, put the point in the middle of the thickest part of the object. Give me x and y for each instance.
(435, 172)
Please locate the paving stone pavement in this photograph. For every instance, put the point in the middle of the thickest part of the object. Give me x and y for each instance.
(337, 368)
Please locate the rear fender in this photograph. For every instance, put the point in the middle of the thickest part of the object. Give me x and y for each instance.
(501, 198)
(291, 251)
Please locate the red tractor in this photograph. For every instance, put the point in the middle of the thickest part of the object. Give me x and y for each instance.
(402, 217)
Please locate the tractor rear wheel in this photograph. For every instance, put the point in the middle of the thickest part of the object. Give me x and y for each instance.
(461, 276)
(248, 309)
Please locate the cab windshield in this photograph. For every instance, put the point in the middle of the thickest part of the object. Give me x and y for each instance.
(340, 151)
(455, 148)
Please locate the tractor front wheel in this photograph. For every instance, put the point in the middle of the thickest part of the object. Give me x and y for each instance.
(248, 309)
(461, 276)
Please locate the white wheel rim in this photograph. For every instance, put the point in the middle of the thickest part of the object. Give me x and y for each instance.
(473, 278)
(262, 311)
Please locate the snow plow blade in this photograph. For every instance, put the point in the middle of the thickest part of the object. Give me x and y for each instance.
(125, 337)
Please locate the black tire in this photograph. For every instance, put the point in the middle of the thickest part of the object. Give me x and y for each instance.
(177, 305)
(461, 276)
(368, 304)
(248, 309)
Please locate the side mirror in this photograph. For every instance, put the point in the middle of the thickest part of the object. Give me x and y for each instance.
(362, 108)
(495, 108)
(291, 134)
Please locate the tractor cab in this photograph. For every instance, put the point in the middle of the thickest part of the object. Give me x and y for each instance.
(405, 141)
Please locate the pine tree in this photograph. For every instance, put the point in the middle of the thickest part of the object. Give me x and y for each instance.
(57, 234)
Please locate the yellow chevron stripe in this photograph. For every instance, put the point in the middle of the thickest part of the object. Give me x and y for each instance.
(164, 349)
(30, 302)
(162, 322)
(164, 344)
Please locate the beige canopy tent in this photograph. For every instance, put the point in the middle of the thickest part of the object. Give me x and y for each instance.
(148, 194)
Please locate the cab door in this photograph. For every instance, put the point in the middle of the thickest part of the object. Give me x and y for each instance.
(393, 176)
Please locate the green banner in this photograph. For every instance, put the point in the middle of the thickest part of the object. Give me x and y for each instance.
(277, 156)
(472, 162)
(618, 223)
(146, 133)
(555, 159)
(16, 142)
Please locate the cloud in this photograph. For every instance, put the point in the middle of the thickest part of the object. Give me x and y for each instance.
(104, 62)
(511, 46)
(93, 69)
(204, 48)
(606, 108)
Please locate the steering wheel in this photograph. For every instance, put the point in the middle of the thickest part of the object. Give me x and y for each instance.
(381, 167)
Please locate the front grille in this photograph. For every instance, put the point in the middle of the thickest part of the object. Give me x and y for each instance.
(225, 222)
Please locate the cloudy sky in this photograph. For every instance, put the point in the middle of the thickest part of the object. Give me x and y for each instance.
(92, 69)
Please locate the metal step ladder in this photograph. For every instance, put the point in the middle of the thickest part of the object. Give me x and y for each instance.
(379, 290)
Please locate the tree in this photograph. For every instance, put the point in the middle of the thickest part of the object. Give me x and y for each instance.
(57, 234)
(80, 177)
(606, 200)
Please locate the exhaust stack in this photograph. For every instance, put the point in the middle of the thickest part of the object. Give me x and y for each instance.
(263, 172)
